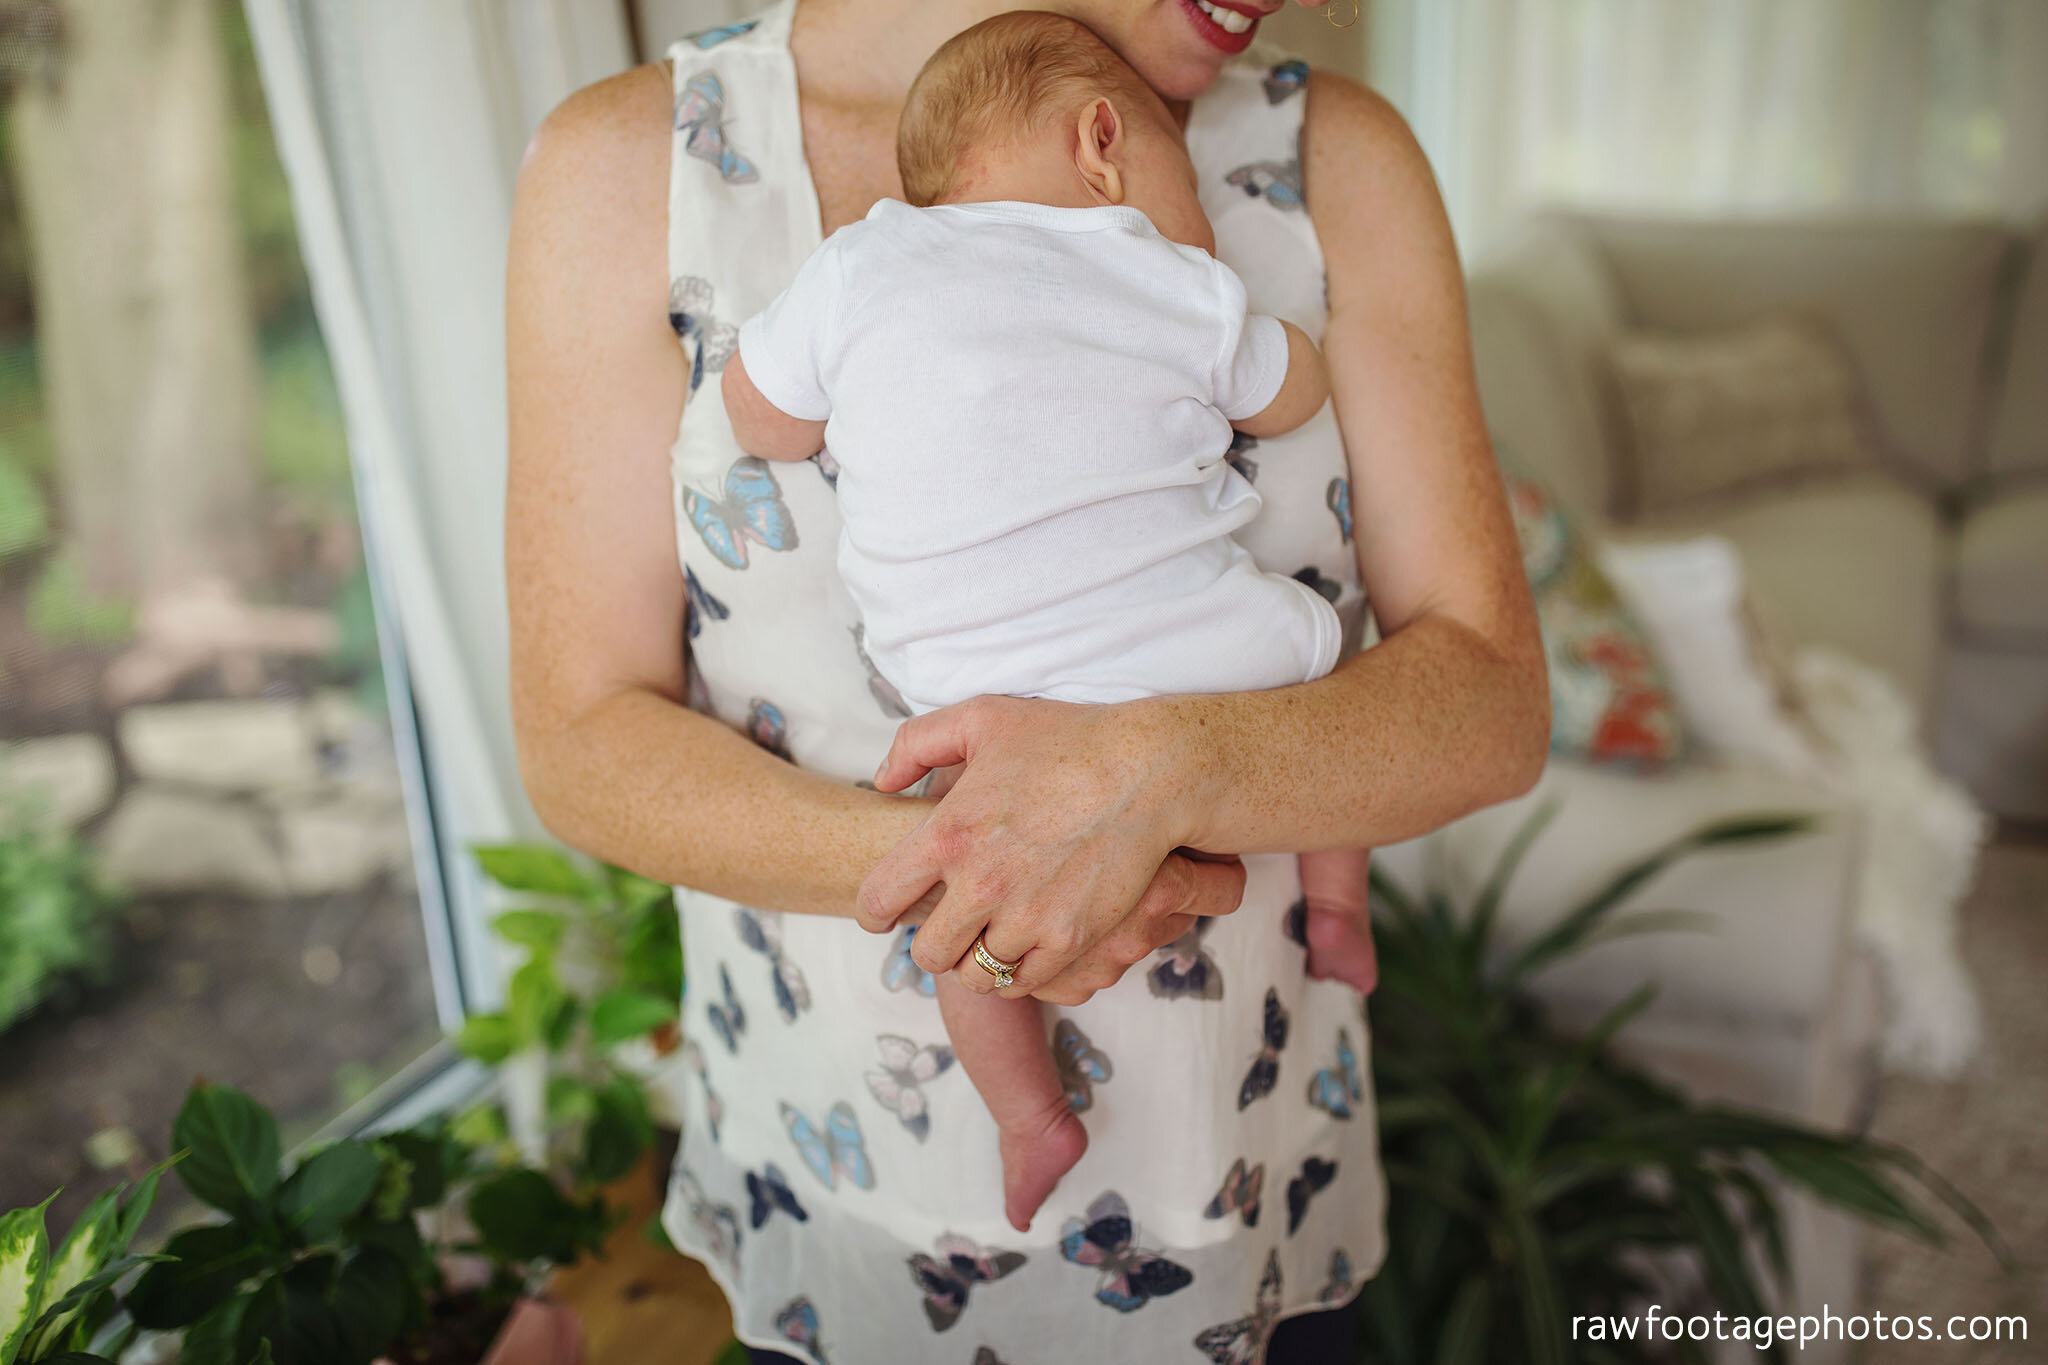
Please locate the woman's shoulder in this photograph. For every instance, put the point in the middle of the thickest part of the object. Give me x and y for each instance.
(1367, 180)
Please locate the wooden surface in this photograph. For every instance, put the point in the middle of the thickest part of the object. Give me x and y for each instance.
(642, 1304)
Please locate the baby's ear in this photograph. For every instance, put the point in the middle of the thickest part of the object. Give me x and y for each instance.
(1099, 147)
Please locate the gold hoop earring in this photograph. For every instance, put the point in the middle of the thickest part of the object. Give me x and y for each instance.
(1327, 14)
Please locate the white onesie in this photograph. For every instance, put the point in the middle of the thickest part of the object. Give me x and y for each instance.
(1029, 407)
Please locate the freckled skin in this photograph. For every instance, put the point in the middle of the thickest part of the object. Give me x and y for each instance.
(1074, 812)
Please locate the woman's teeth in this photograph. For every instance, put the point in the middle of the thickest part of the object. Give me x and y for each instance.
(1229, 20)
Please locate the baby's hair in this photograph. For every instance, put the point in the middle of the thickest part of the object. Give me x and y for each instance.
(997, 80)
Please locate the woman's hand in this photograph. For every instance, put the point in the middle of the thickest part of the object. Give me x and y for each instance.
(1058, 842)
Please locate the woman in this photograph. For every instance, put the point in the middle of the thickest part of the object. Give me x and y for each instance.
(837, 1176)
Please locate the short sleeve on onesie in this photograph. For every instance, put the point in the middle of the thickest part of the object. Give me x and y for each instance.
(1251, 364)
(783, 345)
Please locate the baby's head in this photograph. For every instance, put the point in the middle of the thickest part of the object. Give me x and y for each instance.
(1033, 106)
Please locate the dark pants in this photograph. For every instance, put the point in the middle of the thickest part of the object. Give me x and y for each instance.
(1326, 1338)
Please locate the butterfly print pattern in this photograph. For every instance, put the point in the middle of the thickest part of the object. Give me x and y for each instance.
(798, 1322)
(1316, 1175)
(832, 1152)
(769, 1191)
(900, 971)
(1240, 456)
(748, 508)
(689, 313)
(828, 468)
(725, 33)
(1342, 1280)
(700, 119)
(1336, 1090)
(714, 1107)
(717, 1223)
(884, 692)
(1243, 1342)
(1240, 1193)
(1312, 578)
(1184, 970)
(985, 1356)
(1265, 1068)
(767, 728)
(761, 930)
(1294, 923)
(1338, 498)
(1104, 1240)
(947, 1278)
(700, 604)
(728, 1017)
(1277, 182)
(1286, 80)
(898, 1083)
(1082, 1066)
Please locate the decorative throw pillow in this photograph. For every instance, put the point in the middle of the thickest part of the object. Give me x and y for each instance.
(1608, 698)
(1715, 413)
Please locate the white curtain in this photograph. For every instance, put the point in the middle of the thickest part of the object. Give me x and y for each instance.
(1722, 106)
(400, 128)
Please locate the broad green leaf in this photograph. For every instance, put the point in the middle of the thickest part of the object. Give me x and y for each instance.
(231, 1148)
(623, 1013)
(212, 1262)
(487, 1037)
(373, 1297)
(542, 929)
(135, 1208)
(329, 1189)
(213, 1339)
(532, 999)
(24, 1264)
(536, 868)
(520, 1216)
(86, 1247)
(619, 1132)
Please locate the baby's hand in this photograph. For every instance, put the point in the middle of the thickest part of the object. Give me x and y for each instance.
(1339, 931)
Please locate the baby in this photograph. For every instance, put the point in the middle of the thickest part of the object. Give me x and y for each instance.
(1028, 377)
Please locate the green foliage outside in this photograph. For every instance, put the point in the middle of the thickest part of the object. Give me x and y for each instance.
(1529, 1170)
(53, 911)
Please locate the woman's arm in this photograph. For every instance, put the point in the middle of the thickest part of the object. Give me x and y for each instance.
(1450, 712)
(614, 763)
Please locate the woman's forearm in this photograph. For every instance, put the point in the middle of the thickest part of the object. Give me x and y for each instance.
(1430, 724)
(644, 783)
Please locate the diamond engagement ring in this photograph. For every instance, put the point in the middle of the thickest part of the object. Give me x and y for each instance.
(994, 966)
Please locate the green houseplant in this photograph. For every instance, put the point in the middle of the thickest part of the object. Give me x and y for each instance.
(56, 1303)
(1530, 1170)
(53, 909)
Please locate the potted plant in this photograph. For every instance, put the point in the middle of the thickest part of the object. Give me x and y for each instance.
(56, 1305)
(1533, 1176)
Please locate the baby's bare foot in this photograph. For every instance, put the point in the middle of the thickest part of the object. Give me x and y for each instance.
(1340, 950)
(1035, 1156)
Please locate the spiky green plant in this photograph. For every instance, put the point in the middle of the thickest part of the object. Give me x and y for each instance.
(1529, 1169)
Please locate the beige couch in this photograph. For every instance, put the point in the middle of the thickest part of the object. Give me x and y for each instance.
(1935, 569)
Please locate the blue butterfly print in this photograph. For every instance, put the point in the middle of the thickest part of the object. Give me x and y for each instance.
(798, 1322)
(763, 933)
(1335, 1089)
(1265, 1068)
(700, 117)
(689, 313)
(1313, 579)
(1240, 458)
(828, 468)
(947, 1278)
(1316, 1175)
(1285, 80)
(1239, 1194)
(1185, 970)
(1342, 1280)
(1294, 923)
(767, 727)
(900, 971)
(1278, 181)
(1131, 1277)
(750, 508)
(985, 1356)
(836, 1151)
(880, 688)
(1243, 1342)
(898, 1084)
(768, 1192)
(700, 603)
(714, 1107)
(1081, 1064)
(716, 1223)
(728, 1017)
(1338, 499)
(712, 37)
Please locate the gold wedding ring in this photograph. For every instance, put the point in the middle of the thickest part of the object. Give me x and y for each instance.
(1002, 971)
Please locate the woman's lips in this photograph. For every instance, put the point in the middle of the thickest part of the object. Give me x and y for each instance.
(1214, 31)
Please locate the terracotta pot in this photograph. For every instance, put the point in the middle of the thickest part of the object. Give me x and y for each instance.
(538, 1333)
